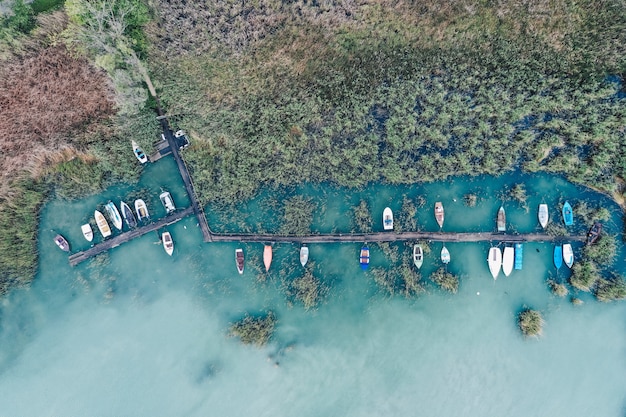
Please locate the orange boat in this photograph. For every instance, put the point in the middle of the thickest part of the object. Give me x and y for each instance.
(267, 257)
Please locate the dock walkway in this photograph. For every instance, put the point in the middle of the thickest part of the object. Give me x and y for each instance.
(97, 249)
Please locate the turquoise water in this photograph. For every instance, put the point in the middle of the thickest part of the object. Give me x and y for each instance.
(144, 334)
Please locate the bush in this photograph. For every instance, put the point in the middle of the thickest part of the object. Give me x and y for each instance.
(530, 322)
(254, 330)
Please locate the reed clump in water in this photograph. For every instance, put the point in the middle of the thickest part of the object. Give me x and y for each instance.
(307, 289)
(470, 200)
(530, 322)
(445, 280)
(557, 288)
(611, 289)
(603, 251)
(584, 275)
(254, 330)
(362, 218)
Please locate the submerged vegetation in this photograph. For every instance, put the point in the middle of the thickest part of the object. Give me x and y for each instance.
(254, 330)
(611, 289)
(445, 280)
(530, 322)
(307, 289)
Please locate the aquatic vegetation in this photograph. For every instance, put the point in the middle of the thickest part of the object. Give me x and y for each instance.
(257, 330)
(556, 229)
(391, 251)
(307, 289)
(445, 280)
(611, 289)
(590, 214)
(407, 220)
(470, 200)
(576, 301)
(411, 280)
(530, 322)
(362, 218)
(518, 193)
(603, 251)
(386, 279)
(584, 275)
(557, 288)
(297, 216)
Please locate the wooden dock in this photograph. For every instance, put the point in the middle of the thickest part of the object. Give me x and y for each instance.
(79, 257)
(395, 237)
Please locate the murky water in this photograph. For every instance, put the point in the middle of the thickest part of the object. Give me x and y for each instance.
(143, 334)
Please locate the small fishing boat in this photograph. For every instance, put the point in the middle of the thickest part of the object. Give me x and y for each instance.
(543, 215)
(568, 214)
(558, 256)
(142, 210)
(267, 257)
(128, 215)
(239, 260)
(304, 255)
(167, 201)
(87, 231)
(594, 233)
(494, 261)
(418, 256)
(364, 257)
(103, 226)
(114, 215)
(568, 255)
(445, 255)
(168, 243)
(501, 220)
(62, 243)
(439, 213)
(139, 153)
(387, 219)
(519, 255)
(508, 258)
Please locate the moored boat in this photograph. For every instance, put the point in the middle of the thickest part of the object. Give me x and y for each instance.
(501, 220)
(558, 256)
(519, 255)
(364, 257)
(568, 214)
(445, 255)
(594, 233)
(494, 260)
(114, 215)
(439, 213)
(304, 255)
(167, 201)
(543, 216)
(239, 260)
(418, 256)
(267, 257)
(139, 153)
(568, 255)
(168, 243)
(128, 215)
(87, 232)
(102, 223)
(387, 219)
(142, 210)
(508, 258)
(62, 243)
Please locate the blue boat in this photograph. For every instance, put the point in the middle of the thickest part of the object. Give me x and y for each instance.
(568, 214)
(558, 256)
(519, 255)
(364, 258)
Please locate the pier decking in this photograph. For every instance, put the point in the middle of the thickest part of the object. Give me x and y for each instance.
(97, 249)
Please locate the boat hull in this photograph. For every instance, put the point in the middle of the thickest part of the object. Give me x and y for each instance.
(167, 201)
(87, 232)
(543, 215)
(558, 256)
(267, 257)
(594, 233)
(568, 255)
(494, 261)
(128, 215)
(387, 219)
(445, 255)
(142, 210)
(102, 223)
(304, 255)
(168, 243)
(501, 220)
(239, 260)
(139, 153)
(62, 243)
(439, 213)
(568, 214)
(364, 257)
(508, 257)
(418, 256)
(114, 215)
(519, 255)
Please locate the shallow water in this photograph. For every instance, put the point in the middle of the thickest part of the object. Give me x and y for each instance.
(144, 334)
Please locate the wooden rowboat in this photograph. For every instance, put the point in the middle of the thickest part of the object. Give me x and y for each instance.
(439, 213)
(267, 257)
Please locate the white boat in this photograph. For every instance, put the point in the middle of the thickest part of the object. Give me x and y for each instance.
(568, 255)
(267, 257)
(62, 243)
(239, 260)
(168, 203)
(543, 215)
(304, 255)
(508, 258)
(445, 255)
(142, 210)
(439, 213)
(103, 226)
(418, 256)
(494, 261)
(128, 215)
(387, 219)
(114, 215)
(87, 231)
(168, 243)
(139, 153)
(501, 220)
